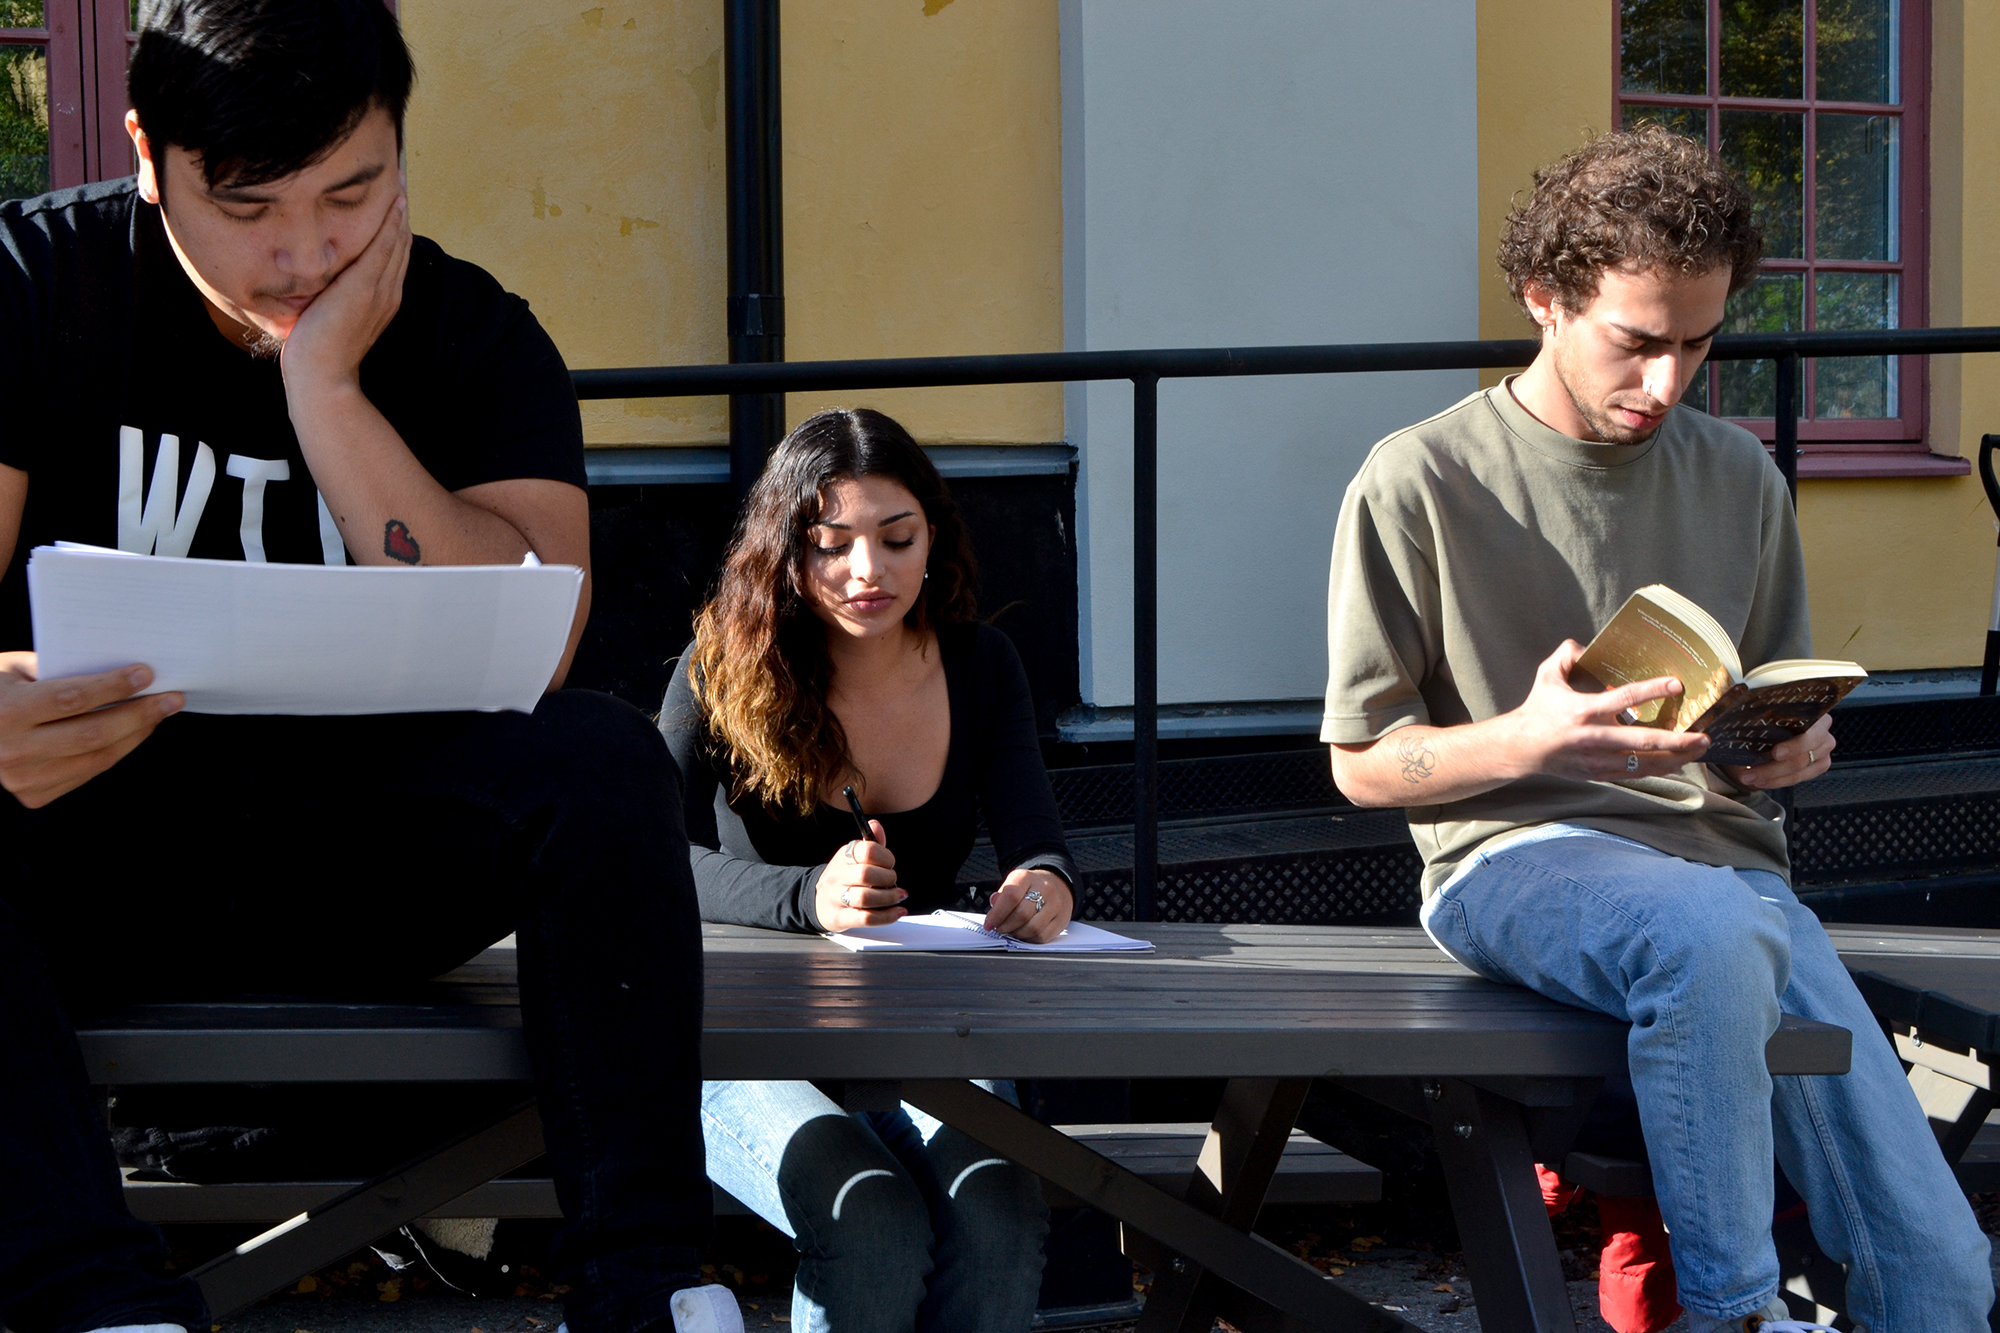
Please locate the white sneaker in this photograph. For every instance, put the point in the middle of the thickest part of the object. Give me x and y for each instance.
(706, 1309)
(1773, 1318)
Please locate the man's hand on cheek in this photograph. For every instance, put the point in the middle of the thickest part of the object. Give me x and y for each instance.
(326, 346)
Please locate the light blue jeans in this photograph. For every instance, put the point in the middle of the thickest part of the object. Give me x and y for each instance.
(901, 1223)
(1702, 961)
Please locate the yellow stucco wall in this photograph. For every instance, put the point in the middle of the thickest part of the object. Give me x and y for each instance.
(1544, 85)
(1900, 569)
(576, 150)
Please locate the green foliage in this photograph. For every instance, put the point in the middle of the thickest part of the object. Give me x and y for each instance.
(1663, 46)
(1763, 48)
(24, 118)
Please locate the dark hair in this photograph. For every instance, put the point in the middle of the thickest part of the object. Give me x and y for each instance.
(260, 89)
(1645, 197)
(759, 663)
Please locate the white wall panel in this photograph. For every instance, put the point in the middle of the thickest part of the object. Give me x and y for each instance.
(1285, 171)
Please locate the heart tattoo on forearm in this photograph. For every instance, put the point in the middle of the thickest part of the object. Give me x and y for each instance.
(398, 544)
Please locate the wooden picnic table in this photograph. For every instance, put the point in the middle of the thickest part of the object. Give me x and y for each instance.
(1937, 991)
(1503, 1076)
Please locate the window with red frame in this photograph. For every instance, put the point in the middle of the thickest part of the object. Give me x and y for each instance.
(62, 98)
(1821, 105)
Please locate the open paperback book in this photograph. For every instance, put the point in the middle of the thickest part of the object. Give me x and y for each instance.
(951, 932)
(1658, 632)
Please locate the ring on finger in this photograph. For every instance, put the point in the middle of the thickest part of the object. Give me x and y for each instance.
(844, 899)
(1035, 896)
(1632, 762)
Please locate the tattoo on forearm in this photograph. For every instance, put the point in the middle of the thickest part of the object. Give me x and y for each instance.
(398, 544)
(1418, 759)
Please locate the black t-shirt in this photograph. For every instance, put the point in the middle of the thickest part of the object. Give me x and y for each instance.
(754, 866)
(141, 427)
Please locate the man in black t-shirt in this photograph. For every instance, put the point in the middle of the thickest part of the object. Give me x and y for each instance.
(244, 354)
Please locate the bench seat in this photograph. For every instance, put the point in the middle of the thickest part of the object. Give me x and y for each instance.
(1162, 1154)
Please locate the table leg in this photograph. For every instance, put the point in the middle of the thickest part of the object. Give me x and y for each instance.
(1489, 1167)
(1955, 1087)
(1300, 1296)
(340, 1226)
(1245, 1143)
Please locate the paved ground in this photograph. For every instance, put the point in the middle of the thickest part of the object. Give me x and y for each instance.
(363, 1296)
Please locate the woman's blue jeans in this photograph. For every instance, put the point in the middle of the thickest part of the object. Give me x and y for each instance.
(901, 1222)
(1702, 961)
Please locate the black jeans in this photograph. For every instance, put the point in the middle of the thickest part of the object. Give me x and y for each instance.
(356, 856)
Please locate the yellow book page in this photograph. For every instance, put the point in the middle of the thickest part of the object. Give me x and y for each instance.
(1646, 640)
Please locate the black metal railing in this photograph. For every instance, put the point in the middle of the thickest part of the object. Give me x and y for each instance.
(1147, 367)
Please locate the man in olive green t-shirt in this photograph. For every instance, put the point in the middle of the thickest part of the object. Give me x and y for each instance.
(1605, 865)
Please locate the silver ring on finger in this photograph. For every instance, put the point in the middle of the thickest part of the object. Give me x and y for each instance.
(1035, 896)
(844, 900)
(1632, 762)
(1810, 761)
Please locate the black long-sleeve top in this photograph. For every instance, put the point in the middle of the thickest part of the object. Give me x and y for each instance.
(755, 866)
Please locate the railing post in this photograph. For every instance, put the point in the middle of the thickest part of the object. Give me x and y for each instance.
(1989, 671)
(1145, 647)
(753, 152)
(1788, 422)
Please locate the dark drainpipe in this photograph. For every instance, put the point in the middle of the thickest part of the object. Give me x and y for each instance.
(756, 226)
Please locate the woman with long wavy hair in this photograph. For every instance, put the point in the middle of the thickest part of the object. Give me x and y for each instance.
(840, 648)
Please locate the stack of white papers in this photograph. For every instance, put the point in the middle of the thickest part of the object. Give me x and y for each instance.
(236, 637)
(950, 932)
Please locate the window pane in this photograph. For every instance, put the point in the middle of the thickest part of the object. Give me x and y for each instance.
(1855, 193)
(1768, 147)
(21, 14)
(1855, 386)
(24, 121)
(1663, 46)
(1857, 51)
(1763, 48)
(1697, 390)
(1689, 120)
(1773, 303)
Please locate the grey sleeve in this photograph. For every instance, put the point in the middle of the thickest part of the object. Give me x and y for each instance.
(1381, 606)
(732, 890)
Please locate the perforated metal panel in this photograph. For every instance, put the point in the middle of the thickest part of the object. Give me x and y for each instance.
(1881, 731)
(1368, 886)
(1227, 785)
(1896, 839)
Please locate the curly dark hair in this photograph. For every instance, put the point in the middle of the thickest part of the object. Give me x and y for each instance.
(759, 663)
(1644, 197)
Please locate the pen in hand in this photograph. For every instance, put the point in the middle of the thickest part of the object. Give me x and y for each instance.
(867, 835)
(860, 817)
